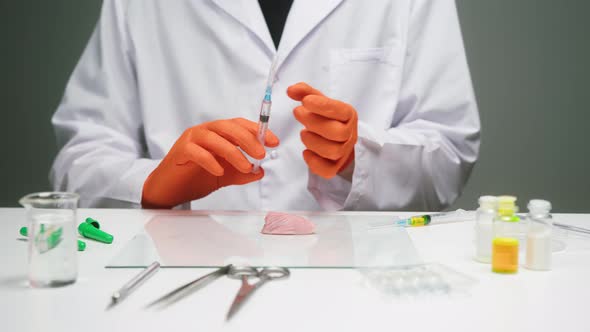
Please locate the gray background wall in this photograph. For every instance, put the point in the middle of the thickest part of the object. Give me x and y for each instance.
(529, 60)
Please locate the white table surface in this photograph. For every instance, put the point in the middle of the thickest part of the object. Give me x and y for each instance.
(311, 300)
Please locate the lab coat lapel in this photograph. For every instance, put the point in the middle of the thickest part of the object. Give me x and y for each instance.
(304, 16)
(249, 14)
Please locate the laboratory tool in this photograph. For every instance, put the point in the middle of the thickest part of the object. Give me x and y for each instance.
(246, 290)
(562, 226)
(435, 218)
(133, 284)
(24, 231)
(265, 108)
(91, 229)
(235, 272)
(417, 280)
(539, 235)
(572, 228)
(340, 241)
(52, 238)
(484, 232)
(187, 289)
(505, 244)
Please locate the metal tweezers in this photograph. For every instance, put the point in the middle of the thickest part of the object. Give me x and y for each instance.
(185, 290)
(562, 226)
(572, 228)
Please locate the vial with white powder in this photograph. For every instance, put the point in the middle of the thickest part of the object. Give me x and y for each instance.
(484, 228)
(538, 242)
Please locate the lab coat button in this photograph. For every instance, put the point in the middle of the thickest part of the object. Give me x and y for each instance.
(274, 154)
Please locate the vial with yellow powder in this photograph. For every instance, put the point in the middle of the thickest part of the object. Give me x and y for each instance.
(506, 234)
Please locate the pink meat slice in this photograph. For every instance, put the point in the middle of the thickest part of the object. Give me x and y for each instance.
(278, 223)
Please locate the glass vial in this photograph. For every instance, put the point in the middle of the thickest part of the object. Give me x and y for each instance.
(484, 231)
(506, 232)
(538, 239)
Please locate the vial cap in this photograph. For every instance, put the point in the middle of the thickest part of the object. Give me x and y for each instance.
(489, 201)
(505, 199)
(539, 204)
(506, 205)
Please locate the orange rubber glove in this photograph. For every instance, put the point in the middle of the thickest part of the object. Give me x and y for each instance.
(330, 130)
(204, 159)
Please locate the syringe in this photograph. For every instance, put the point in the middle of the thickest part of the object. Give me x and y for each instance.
(435, 218)
(427, 219)
(265, 109)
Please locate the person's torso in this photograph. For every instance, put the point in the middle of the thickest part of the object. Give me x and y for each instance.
(205, 60)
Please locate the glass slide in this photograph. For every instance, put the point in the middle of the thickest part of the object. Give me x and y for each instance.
(217, 239)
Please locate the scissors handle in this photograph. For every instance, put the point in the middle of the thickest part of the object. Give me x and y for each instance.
(270, 273)
(244, 272)
(237, 272)
(274, 273)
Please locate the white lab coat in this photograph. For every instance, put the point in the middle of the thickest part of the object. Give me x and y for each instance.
(154, 68)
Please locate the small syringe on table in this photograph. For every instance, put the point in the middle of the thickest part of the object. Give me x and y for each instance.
(429, 219)
(265, 109)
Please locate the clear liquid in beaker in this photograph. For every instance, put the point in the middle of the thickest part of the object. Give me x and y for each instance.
(53, 248)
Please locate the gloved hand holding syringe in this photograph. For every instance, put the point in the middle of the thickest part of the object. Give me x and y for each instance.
(265, 109)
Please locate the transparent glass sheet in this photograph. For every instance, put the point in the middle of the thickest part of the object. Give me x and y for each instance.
(212, 240)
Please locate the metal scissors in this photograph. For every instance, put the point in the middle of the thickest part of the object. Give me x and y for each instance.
(246, 272)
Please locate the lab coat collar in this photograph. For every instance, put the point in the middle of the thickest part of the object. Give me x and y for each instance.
(303, 17)
(249, 14)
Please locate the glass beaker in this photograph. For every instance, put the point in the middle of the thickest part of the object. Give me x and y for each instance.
(51, 218)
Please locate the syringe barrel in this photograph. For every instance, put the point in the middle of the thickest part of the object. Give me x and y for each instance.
(265, 110)
(262, 127)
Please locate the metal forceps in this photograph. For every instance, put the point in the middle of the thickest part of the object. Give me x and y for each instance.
(246, 272)
(190, 287)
